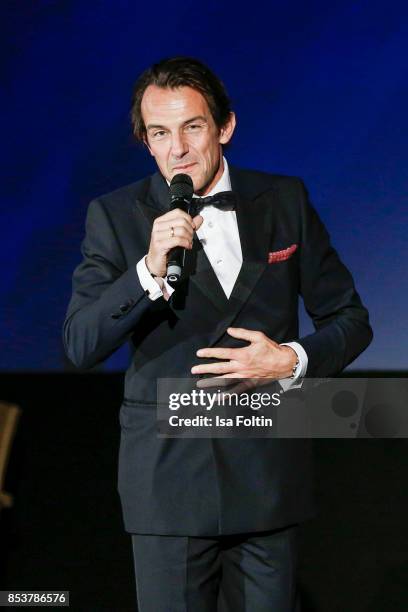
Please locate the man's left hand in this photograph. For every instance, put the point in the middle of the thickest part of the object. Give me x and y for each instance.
(262, 358)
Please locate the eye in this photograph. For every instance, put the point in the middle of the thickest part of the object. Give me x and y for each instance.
(158, 134)
(193, 127)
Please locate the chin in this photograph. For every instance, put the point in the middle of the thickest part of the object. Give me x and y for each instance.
(199, 182)
(199, 186)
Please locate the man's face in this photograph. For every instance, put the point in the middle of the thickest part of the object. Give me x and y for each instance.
(182, 135)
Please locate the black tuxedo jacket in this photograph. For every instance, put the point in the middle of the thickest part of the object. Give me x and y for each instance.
(210, 486)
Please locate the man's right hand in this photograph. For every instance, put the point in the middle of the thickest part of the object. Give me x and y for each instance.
(173, 229)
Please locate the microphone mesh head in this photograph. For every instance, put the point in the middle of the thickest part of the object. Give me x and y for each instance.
(181, 186)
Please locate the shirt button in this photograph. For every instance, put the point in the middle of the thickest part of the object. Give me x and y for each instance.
(210, 224)
(219, 261)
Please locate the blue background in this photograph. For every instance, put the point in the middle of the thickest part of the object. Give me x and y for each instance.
(320, 91)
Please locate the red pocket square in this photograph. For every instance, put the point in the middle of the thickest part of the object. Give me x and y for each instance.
(275, 256)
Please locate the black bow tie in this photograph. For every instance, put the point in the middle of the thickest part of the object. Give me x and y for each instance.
(224, 200)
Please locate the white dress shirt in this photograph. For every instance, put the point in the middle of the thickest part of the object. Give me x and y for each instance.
(219, 236)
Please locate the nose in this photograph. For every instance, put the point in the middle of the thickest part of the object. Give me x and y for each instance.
(179, 145)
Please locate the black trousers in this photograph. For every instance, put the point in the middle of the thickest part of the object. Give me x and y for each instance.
(253, 572)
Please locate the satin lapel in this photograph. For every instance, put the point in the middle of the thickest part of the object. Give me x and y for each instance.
(205, 279)
(255, 224)
(199, 278)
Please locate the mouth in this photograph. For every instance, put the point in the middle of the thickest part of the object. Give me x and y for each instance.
(184, 166)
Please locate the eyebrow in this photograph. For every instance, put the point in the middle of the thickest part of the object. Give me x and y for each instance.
(152, 126)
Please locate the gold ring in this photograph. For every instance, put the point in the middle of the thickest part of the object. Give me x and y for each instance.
(172, 232)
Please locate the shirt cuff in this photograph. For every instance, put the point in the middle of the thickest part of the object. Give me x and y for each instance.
(153, 285)
(300, 373)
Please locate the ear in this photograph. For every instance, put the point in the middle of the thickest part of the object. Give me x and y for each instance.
(227, 130)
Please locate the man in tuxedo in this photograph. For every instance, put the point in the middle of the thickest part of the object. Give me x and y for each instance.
(213, 520)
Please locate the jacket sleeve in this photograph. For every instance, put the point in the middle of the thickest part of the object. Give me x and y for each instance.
(107, 299)
(330, 298)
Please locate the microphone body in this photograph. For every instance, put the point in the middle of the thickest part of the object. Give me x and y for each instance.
(181, 194)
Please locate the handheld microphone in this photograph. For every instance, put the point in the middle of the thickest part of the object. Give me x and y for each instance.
(181, 194)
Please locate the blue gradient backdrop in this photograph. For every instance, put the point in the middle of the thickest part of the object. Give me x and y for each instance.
(320, 91)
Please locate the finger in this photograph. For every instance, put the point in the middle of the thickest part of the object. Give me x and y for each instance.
(236, 388)
(165, 245)
(197, 221)
(245, 334)
(234, 375)
(218, 353)
(213, 381)
(245, 384)
(176, 222)
(214, 368)
(173, 214)
(226, 380)
(180, 232)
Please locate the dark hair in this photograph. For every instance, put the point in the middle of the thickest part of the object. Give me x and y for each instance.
(181, 72)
